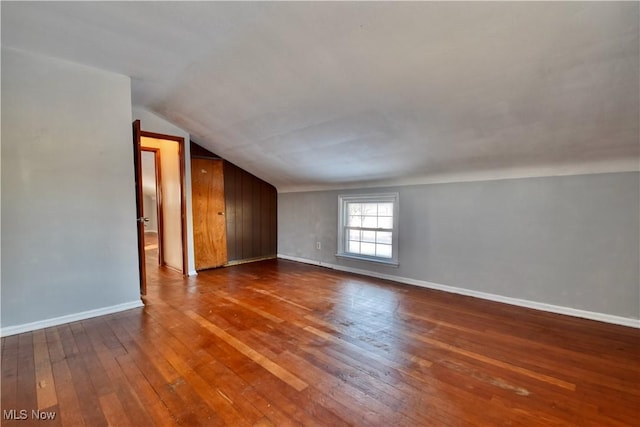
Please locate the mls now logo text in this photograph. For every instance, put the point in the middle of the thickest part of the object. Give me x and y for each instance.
(23, 414)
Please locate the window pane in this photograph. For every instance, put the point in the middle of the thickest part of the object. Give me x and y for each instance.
(385, 209)
(385, 222)
(354, 221)
(383, 237)
(369, 236)
(370, 222)
(368, 249)
(353, 247)
(370, 209)
(354, 208)
(354, 235)
(383, 251)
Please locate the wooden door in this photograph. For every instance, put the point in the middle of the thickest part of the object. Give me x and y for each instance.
(137, 165)
(209, 224)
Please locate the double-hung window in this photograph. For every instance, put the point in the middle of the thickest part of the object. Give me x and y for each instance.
(368, 227)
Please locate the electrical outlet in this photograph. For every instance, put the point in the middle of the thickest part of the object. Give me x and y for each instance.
(318, 246)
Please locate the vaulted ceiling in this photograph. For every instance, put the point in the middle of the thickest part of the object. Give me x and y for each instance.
(333, 94)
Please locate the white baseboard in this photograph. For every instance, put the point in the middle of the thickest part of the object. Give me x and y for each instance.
(602, 317)
(47, 323)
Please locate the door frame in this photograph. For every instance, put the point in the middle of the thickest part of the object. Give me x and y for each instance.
(137, 134)
(159, 208)
(183, 196)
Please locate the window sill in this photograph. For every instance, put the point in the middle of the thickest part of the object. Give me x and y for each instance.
(389, 263)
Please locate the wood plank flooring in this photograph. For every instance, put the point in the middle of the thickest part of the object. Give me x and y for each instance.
(277, 343)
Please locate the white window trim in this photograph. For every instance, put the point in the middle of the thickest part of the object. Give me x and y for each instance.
(343, 199)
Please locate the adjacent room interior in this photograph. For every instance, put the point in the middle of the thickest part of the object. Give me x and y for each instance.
(320, 213)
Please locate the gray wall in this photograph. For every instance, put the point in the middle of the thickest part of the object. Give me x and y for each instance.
(569, 241)
(68, 201)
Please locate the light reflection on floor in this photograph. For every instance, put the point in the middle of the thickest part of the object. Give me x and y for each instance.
(379, 306)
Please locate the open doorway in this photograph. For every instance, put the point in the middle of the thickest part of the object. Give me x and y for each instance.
(171, 221)
(152, 206)
(166, 215)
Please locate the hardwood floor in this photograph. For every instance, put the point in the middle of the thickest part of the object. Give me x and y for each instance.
(281, 343)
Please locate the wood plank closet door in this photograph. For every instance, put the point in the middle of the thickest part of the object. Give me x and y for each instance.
(209, 225)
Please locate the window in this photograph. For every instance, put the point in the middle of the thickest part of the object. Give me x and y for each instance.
(368, 227)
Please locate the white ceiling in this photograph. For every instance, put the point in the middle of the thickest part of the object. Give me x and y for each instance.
(334, 94)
